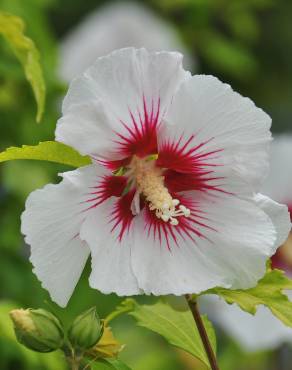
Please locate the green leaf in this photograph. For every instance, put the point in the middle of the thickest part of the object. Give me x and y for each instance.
(12, 29)
(177, 327)
(268, 292)
(51, 151)
(109, 364)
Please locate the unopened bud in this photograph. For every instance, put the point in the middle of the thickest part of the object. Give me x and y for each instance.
(38, 330)
(86, 330)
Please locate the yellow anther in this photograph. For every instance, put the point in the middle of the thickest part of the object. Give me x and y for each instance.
(150, 183)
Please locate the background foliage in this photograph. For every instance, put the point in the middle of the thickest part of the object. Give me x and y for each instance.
(247, 43)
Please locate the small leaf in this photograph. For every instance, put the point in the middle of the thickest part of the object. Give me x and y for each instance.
(51, 151)
(268, 292)
(109, 364)
(12, 28)
(177, 327)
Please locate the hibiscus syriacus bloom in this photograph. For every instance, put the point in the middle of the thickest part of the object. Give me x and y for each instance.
(262, 331)
(116, 25)
(279, 186)
(169, 204)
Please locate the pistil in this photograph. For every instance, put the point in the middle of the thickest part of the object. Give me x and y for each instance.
(150, 182)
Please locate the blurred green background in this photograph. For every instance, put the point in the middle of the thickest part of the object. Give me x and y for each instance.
(247, 43)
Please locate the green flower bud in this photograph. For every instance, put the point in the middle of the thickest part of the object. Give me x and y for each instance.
(38, 329)
(86, 330)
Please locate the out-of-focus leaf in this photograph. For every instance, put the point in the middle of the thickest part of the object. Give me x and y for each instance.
(51, 151)
(227, 56)
(33, 360)
(268, 292)
(106, 347)
(177, 327)
(12, 29)
(144, 350)
(32, 177)
(109, 364)
(7, 94)
(243, 24)
(232, 351)
(170, 5)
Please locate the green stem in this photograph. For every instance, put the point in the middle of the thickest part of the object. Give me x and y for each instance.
(115, 314)
(74, 365)
(202, 331)
(72, 359)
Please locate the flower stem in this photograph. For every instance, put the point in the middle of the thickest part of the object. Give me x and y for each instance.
(202, 331)
(72, 360)
(74, 363)
(75, 366)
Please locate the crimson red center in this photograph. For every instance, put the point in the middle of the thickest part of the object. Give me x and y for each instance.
(187, 167)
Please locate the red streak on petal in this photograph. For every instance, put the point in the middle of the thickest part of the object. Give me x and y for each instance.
(140, 138)
(115, 164)
(122, 215)
(189, 166)
(191, 228)
(142, 135)
(201, 180)
(108, 186)
(186, 158)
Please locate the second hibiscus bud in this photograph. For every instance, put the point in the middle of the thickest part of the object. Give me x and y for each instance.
(86, 330)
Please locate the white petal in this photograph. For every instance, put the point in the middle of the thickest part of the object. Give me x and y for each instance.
(111, 258)
(89, 127)
(279, 215)
(114, 26)
(278, 184)
(51, 224)
(233, 257)
(117, 85)
(211, 110)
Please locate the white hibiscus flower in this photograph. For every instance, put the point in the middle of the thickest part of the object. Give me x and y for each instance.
(169, 204)
(279, 186)
(262, 331)
(113, 26)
